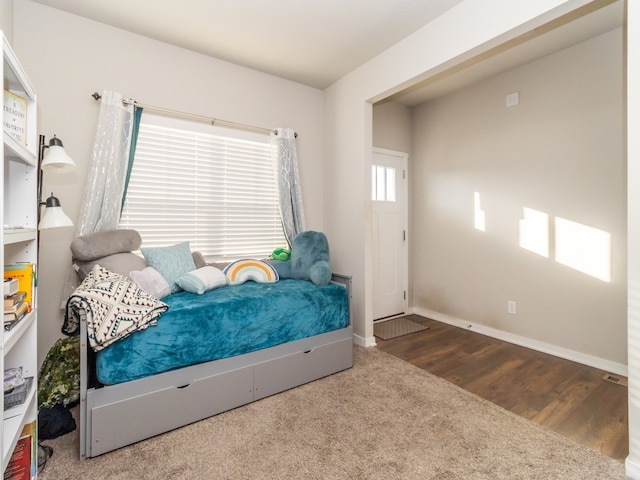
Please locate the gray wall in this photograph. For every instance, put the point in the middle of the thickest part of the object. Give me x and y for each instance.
(560, 152)
(6, 19)
(393, 126)
(88, 56)
(68, 58)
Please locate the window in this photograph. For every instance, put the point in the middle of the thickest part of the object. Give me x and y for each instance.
(383, 186)
(212, 186)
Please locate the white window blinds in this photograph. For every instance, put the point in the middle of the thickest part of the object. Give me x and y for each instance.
(212, 186)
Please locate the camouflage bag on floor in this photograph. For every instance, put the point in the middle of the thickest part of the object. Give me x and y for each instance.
(59, 379)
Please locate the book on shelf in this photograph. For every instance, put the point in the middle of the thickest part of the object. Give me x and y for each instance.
(16, 314)
(31, 429)
(15, 299)
(14, 119)
(19, 467)
(11, 319)
(9, 286)
(25, 274)
(17, 306)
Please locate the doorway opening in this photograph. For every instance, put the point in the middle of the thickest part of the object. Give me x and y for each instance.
(389, 217)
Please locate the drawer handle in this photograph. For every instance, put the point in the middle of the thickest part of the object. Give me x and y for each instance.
(183, 386)
(307, 351)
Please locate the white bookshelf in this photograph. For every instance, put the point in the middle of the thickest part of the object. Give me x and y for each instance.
(20, 244)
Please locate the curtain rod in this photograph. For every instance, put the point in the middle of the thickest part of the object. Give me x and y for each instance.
(192, 116)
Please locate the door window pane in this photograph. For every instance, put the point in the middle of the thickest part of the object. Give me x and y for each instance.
(383, 183)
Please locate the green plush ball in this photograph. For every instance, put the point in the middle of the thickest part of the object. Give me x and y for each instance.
(281, 254)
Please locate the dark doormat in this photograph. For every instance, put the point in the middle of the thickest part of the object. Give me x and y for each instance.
(396, 327)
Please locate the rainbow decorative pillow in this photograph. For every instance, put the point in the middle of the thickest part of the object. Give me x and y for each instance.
(249, 269)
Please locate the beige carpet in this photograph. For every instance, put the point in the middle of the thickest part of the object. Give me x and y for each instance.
(382, 419)
(396, 327)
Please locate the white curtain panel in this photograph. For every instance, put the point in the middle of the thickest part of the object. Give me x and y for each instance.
(290, 193)
(102, 197)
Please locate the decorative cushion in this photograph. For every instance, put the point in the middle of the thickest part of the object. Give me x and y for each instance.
(199, 259)
(172, 262)
(309, 259)
(100, 244)
(150, 280)
(114, 305)
(249, 269)
(121, 263)
(202, 280)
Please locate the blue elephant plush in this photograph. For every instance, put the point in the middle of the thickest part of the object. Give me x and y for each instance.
(309, 259)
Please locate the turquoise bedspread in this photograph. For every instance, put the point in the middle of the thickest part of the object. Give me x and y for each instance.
(224, 322)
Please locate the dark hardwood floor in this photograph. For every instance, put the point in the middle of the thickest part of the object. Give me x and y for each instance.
(569, 398)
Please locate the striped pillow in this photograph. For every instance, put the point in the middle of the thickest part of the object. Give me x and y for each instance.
(202, 280)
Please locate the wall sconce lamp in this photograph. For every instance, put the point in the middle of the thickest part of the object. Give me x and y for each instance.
(56, 159)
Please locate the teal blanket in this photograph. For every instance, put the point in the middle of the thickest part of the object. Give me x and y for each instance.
(222, 323)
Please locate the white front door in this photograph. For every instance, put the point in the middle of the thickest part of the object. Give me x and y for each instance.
(389, 197)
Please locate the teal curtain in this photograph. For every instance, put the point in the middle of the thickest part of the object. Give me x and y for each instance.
(137, 115)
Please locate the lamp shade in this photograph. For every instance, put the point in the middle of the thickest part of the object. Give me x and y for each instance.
(54, 216)
(57, 158)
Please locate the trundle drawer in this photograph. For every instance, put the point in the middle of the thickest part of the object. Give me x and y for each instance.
(289, 371)
(162, 410)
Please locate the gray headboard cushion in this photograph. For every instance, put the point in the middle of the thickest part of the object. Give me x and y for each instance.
(198, 259)
(101, 244)
(122, 263)
(112, 250)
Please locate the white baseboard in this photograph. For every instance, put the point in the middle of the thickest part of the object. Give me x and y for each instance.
(574, 356)
(632, 469)
(364, 342)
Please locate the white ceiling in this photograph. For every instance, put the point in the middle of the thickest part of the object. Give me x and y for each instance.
(316, 42)
(313, 42)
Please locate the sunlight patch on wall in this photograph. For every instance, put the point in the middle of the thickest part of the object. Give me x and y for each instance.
(578, 246)
(583, 248)
(478, 213)
(534, 231)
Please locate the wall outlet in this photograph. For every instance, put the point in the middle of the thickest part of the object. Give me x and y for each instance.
(512, 99)
(511, 307)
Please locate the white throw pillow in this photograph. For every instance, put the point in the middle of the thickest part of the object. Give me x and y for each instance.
(202, 280)
(151, 281)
